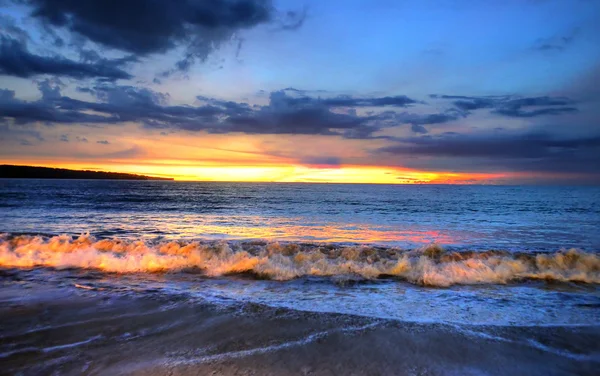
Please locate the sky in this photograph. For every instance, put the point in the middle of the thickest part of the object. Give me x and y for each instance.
(350, 91)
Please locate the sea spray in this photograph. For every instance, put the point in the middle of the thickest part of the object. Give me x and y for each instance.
(430, 265)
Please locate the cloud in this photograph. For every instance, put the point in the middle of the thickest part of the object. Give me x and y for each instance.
(287, 112)
(293, 19)
(103, 142)
(8, 132)
(322, 161)
(539, 152)
(347, 101)
(288, 115)
(9, 28)
(418, 128)
(417, 121)
(296, 97)
(45, 110)
(556, 43)
(517, 112)
(466, 103)
(283, 114)
(16, 60)
(132, 152)
(140, 27)
(512, 106)
(550, 106)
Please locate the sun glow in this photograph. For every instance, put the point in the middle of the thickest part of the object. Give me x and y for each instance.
(186, 171)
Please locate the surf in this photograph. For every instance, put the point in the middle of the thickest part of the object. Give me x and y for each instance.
(428, 266)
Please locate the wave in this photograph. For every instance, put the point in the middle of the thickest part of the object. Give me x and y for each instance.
(430, 266)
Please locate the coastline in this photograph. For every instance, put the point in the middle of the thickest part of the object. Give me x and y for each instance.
(69, 330)
(51, 173)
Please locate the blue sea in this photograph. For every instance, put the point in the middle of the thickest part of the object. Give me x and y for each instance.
(498, 255)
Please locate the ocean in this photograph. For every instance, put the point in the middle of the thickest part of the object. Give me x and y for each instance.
(494, 255)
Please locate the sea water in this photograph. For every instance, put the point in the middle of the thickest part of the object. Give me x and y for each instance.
(499, 255)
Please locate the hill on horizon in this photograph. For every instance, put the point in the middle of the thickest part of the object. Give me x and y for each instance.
(35, 172)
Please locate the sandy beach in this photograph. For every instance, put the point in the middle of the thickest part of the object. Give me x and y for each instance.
(73, 330)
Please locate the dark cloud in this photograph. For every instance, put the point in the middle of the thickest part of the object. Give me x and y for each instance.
(538, 101)
(557, 43)
(471, 104)
(10, 29)
(118, 104)
(517, 112)
(288, 115)
(16, 60)
(418, 121)
(6, 95)
(296, 97)
(512, 106)
(418, 128)
(144, 27)
(283, 115)
(347, 101)
(64, 138)
(103, 142)
(45, 110)
(293, 19)
(288, 112)
(543, 106)
(50, 88)
(517, 152)
(297, 113)
(322, 161)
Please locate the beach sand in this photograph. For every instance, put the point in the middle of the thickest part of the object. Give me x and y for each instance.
(73, 330)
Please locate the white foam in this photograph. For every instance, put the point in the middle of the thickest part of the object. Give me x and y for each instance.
(563, 353)
(71, 345)
(49, 349)
(267, 349)
(532, 343)
(430, 266)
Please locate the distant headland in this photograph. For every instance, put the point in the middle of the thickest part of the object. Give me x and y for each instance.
(32, 172)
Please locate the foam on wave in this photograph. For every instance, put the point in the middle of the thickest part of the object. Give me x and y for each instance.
(431, 265)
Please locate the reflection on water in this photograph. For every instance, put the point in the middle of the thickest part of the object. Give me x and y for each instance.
(151, 225)
(291, 229)
(480, 217)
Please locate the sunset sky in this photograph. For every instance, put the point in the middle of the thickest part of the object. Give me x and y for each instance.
(382, 91)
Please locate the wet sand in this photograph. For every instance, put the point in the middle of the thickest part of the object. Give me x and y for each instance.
(71, 330)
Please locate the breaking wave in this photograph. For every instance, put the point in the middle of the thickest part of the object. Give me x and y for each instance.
(430, 266)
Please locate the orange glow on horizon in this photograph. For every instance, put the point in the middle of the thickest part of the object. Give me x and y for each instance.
(186, 171)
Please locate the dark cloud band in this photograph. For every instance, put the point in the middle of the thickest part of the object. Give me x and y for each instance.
(144, 27)
(512, 106)
(16, 60)
(515, 152)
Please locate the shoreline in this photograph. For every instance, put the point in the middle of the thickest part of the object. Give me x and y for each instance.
(70, 330)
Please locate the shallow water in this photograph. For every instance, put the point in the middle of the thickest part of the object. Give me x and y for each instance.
(530, 304)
